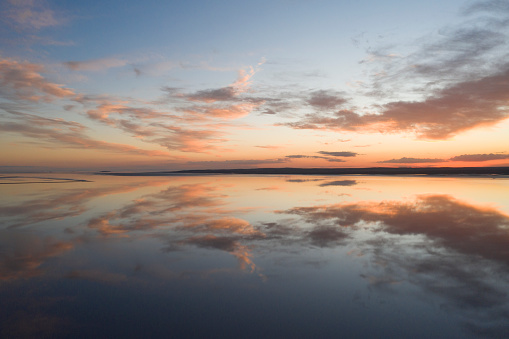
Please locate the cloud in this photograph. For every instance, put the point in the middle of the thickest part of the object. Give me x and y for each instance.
(236, 111)
(326, 100)
(455, 109)
(162, 128)
(23, 81)
(479, 157)
(406, 160)
(228, 93)
(31, 15)
(493, 6)
(452, 82)
(95, 65)
(213, 95)
(268, 146)
(66, 134)
(301, 156)
(339, 154)
(233, 163)
(192, 125)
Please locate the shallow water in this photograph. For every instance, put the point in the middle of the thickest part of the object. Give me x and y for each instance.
(253, 256)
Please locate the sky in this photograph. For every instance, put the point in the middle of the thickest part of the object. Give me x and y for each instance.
(170, 85)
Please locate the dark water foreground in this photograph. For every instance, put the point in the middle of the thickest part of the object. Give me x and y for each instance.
(254, 256)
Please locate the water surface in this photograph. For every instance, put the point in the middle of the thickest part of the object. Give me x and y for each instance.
(253, 256)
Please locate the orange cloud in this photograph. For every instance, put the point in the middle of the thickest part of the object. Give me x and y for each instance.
(231, 112)
(455, 109)
(66, 134)
(23, 81)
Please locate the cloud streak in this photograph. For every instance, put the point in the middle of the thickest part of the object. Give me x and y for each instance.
(31, 15)
(339, 154)
(24, 81)
(480, 157)
(95, 65)
(67, 134)
(406, 160)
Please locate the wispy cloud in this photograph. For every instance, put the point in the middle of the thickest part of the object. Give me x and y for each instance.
(302, 156)
(196, 121)
(63, 133)
(326, 100)
(406, 160)
(233, 163)
(24, 81)
(95, 65)
(480, 157)
(168, 130)
(339, 154)
(464, 106)
(269, 146)
(228, 93)
(452, 82)
(31, 14)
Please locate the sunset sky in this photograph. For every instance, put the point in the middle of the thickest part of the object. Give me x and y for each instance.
(169, 85)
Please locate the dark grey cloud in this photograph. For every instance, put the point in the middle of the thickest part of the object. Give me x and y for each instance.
(301, 156)
(480, 157)
(328, 100)
(406, 160)
(492, 6)
(211, 95)
(339, 154)
(302, 180)
(171, 90)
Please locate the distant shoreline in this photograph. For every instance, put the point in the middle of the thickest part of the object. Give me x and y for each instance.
(441, 171)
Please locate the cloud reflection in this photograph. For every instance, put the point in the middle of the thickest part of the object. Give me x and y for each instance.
(189, 214)
(23, 253)
(447, 247)
(455, 252)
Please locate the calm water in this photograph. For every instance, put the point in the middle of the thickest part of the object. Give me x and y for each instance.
(254, 256)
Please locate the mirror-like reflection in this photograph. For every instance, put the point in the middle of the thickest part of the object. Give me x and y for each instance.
(254, 256)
